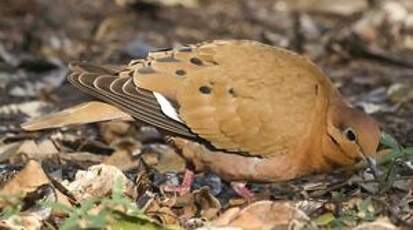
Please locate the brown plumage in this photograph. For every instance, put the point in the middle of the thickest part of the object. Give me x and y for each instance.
(251, 111)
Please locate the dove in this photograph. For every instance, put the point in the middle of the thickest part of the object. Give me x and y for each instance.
(242, 109)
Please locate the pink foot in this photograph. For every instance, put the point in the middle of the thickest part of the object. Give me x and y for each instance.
(242, 191)
(185, 186)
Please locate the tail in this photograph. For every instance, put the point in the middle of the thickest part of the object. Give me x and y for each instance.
(85, 113)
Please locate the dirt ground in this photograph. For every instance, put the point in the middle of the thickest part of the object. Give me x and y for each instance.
(364, 46)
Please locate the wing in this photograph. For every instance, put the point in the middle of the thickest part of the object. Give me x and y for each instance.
(240, 96)
(112, 87)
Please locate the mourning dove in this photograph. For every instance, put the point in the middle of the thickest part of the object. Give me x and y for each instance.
(242, 109)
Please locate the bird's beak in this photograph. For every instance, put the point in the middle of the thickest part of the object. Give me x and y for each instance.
(372, 163)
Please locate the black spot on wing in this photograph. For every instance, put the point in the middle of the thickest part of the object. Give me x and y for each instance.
(232, 92)
(205, 89)
(196, 61)
(180, 72)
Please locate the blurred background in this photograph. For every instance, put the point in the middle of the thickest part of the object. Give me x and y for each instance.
(364, 45)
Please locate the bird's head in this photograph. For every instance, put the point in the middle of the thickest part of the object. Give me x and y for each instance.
(351, 132)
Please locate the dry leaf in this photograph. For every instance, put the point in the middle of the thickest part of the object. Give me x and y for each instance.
(27, 180)
(113, 130)
(379, 224)
(208, 204)
(266, 215)
(98, 181)
(164, 159)
(8, 150)
(340, 7)
(161, 211)
(123, 157)
(36, 150)
(184, 3)
(19, 222)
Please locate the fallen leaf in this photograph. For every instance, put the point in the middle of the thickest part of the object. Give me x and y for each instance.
(81, 157)
(379, 224)
(400, 93)
(161, 211)
(200, 203)
(164, 159)
(184, 3)
(27, 180)
(8, 150)
(30, 149)
(340, 7)
(123, 156)
(266, 215)
(113, 130)
(98, 181)
(28, 222)
(208, 205)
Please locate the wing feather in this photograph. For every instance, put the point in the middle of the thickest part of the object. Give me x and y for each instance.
(142, 105)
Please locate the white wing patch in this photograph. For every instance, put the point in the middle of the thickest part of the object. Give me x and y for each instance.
(167, 107)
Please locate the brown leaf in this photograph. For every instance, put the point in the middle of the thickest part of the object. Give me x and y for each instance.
(36, 150)
(380, 223)
(266, 215)
(8, 150)
(341, 7)
(200, 203)
(161, 211)
(113, 130)
(27, 180)
(123, 157)
(164, 159)
(208, 204)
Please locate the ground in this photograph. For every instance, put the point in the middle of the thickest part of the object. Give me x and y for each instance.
(364, 46)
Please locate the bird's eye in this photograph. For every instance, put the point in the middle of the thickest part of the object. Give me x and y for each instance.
(350, 134)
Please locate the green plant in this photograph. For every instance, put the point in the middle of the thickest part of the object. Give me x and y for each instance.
(116, 211)
(12, 205)
(362, 212)
(390, 161)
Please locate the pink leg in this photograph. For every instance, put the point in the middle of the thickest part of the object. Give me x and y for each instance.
(185, 186)
(241, 190)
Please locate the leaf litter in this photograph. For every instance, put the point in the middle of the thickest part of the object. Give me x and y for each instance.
(111, 174)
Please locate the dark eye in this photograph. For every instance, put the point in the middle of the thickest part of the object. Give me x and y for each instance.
(350, 134)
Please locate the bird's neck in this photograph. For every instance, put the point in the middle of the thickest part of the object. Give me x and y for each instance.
(333, 155)
(325, 153)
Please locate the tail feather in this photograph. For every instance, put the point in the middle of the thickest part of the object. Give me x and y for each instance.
(85, 113)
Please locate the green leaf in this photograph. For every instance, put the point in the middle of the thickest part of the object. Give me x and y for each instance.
(100, 220)
(363, 207)
(408, 151)
(58, 206)
(126, 222)
(325, 219)
(387, 140)
(118, 188)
